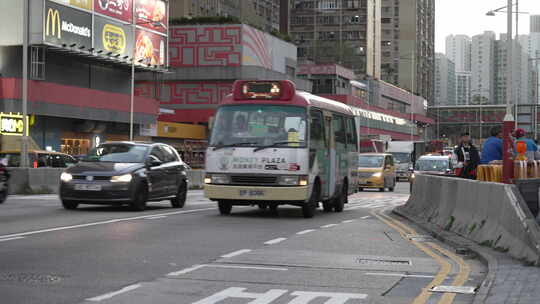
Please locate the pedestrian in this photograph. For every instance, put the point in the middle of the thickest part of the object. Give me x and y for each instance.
(532, 148)
(468, 157)
(493, 146)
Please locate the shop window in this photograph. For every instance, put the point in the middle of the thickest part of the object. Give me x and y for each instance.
(75, 146)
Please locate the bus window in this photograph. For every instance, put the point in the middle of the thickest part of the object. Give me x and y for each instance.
(339, 130)
(352, 137)
(317, 129)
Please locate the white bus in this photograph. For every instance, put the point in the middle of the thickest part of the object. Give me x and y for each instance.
(272, 145)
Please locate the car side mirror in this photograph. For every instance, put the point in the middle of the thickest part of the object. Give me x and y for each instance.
(152, 161)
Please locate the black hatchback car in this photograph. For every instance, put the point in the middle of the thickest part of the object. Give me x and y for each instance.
(126, 173)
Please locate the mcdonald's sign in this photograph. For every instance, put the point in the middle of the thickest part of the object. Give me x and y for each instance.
(53, 23)
(64, 25)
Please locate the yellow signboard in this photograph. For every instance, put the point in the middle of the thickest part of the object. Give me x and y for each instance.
(84, 4)
(12, 124)
(179, 130)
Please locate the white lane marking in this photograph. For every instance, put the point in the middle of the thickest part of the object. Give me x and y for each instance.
(347, 221)
(329, 226)
(236, 253)
(185, 271)
(11, 239)
(239, 293)
(305, 231)
(365, 217)
(305, 297)
(275, 241)
(355, 207)
(246, 267)
(114, 293)
(102, 223)
(156, 217)
(399, 275)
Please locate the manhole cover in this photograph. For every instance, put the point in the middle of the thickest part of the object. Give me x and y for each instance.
(420, 238)
(454, 289)
(31, 278)
(365, 261)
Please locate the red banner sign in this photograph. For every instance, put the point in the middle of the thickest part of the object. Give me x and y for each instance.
(119, 9)
(152, 14)
(150, 49)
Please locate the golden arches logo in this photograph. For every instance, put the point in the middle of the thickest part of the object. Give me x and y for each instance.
(53, 23)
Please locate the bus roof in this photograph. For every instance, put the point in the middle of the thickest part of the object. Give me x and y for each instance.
(298, 98)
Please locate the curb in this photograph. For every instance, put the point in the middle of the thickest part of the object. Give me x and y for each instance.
(457, 241)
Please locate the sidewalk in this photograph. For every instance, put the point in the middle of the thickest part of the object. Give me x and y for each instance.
(513, 282)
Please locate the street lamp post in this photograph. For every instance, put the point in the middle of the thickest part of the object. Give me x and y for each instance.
(24, 139)
(508, 123)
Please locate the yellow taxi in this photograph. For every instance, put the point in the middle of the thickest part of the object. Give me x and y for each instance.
(376, 170)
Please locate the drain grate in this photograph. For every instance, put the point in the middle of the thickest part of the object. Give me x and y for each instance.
(30, 278)
(454, 289)
(364, 261)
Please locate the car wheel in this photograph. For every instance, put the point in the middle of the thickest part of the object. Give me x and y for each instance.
(262, 206)
(381, 189)
(180, 200)
(360, 189)
(224, 207)
(273, 208)
(309, 207)
(339, 201)
(138, 203)
(69, 205)
(327, 206)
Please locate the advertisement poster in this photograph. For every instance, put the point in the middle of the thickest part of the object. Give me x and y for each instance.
(150, 48)
(119, 9)
(84, 4)
(114, 37)
(67, 26)
(152, 14)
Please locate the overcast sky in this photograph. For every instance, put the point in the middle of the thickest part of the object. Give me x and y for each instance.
(469, 17)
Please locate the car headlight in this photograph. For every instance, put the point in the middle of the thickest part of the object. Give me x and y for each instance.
(216, 179)
(413, 175)
(66, 177)
(126, 178)
(377, 174)
(293, 180)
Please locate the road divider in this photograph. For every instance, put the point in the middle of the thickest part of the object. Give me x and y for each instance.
(491, 214)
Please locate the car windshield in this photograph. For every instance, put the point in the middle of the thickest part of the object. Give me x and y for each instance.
(401, 157)
(117, 153)
(259, 125)
(439, 165)
(370, 161)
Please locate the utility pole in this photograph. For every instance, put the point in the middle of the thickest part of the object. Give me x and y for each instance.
(508, 123)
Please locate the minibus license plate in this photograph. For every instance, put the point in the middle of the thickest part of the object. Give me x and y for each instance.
(252, 193)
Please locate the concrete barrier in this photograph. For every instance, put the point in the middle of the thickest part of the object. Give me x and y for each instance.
(47, 180)
(490, 214)
(34, 181)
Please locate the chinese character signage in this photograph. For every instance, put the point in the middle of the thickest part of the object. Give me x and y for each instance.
(152, 14)
(150, 48)
(119, 9)
(66, 25)
(84, 4)
(113, 37)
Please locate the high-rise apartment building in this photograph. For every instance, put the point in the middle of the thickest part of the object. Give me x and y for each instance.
(264, 14)
(463, 88)
(458, 49)
(417, 42)
(333, 32)
(483, 68)
(383, 39)
(521, 70)
(445, 80)
(535, 24)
